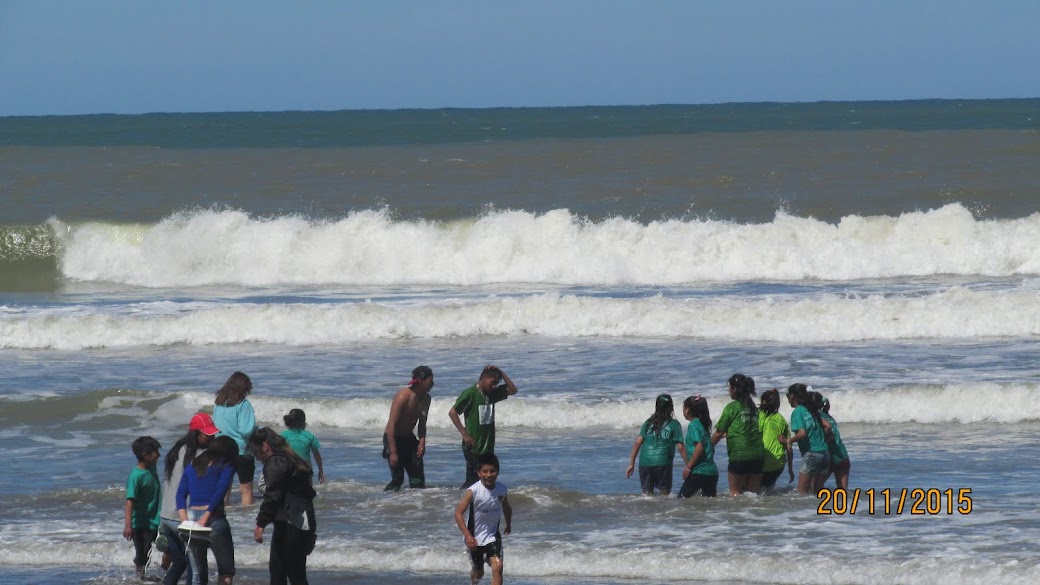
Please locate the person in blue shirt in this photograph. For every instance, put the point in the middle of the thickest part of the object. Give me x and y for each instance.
(200, 497)
(234, 416)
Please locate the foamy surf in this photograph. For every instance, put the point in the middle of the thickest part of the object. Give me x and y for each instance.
(956, 313)
(558, 247)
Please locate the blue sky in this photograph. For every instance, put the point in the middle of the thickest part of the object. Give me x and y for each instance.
(132, 56)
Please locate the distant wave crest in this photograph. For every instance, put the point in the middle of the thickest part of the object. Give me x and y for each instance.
(371, 247)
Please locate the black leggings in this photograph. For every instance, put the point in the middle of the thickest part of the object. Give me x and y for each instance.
(289, 549)
(706, 484)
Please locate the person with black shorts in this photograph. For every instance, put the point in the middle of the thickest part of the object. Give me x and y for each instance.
(479, 515)
(401, 448)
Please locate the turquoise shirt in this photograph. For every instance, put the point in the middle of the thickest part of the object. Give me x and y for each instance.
(696, 433)
(142, 487)
(802, 419)
(659, 448)
(836, 447)
(237, 422)
(302, 441)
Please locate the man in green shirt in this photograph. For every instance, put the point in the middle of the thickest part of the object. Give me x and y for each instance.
(473, 414)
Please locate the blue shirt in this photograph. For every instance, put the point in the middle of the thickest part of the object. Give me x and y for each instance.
(207, 490)
(237, 422)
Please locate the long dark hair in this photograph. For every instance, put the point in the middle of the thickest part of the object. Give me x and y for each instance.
(744, 391)
(699, 409)
(190, 442)
(223, 449)
(234, 390)
(770, 402)
(663, 412)
(279, 446)
(802, 395)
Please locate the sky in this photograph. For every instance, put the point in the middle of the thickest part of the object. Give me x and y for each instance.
(134, 56)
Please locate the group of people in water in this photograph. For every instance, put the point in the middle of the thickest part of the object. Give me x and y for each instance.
(201, 466)
(183, 512)
(759, 443)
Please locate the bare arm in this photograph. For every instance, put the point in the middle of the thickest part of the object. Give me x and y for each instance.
(421, 428)
(454, 416)
(128, 531)
(321, 468)
(790, 458)
(682, 450)
(507, 512)
(467, 498)
(632, 457)
(510, 386)
(698, 452)
(716, 437)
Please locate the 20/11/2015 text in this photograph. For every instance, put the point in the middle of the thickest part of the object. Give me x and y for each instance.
(913, 501)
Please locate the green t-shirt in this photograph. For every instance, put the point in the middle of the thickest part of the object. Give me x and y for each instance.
(773, 426)
(142, 486)
(302, 442)
(743, 437)
(477, 411)
(801, 418)
(659, 448)
(696, 433)
(836, 447)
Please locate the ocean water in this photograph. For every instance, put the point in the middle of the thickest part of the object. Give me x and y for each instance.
(887, 253)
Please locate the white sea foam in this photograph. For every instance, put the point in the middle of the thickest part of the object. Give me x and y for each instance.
(958, 403)
(956, 313)
(639, 560)
(370, 247)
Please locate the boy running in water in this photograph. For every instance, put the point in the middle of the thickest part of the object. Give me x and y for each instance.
(487, 504)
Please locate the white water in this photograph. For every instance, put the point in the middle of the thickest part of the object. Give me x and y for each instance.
(371, 247)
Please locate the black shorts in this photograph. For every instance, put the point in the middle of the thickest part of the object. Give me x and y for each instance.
(246, 468)
(753, 467)
(483, 554)
(656, 476)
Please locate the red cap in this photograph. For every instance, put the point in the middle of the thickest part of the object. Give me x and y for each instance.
(204, 423)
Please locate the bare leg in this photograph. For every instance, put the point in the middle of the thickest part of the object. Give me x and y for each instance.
(735, 483)
(247, 493)
(496, 570)
(805, 483)
(475, 576)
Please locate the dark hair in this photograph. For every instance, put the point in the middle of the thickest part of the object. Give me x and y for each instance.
(142, 446)
(234, 390)
(699, 409)
(744, 390)
(801, 393)
(279, 446)
(491, 372)
(663, 412)
(223, 449)
(488, 459)
(296, 419)
(770, 401)
(422, 372)
(190, 441)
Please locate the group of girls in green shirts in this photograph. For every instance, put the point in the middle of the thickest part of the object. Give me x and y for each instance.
(759, 443)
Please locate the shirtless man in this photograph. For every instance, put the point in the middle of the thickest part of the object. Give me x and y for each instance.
(402, 450)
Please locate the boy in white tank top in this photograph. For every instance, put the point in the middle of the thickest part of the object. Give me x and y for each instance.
(487, 504)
